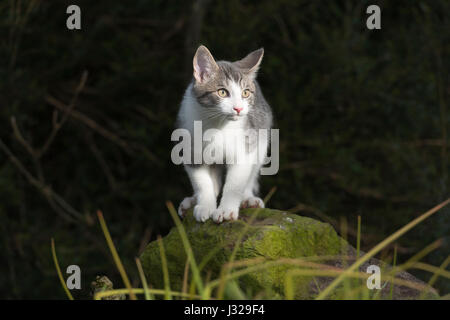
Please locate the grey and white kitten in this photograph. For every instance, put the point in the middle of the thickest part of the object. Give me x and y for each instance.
(225, 96)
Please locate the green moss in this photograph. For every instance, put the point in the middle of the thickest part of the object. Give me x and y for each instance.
(272, 234)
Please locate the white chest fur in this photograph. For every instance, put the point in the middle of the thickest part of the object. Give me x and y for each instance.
(223, 140)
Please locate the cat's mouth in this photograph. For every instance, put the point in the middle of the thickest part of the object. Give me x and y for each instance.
(235, 117)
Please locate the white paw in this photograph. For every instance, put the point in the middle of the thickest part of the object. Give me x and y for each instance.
(202, 212)
(252, 202)
(225, 213)
(185, 205)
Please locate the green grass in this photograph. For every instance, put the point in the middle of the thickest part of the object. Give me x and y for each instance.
(352, 281)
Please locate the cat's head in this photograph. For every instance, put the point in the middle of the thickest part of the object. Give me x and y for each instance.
(226, 87)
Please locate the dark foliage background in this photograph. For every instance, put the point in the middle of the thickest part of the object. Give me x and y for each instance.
(363, 118)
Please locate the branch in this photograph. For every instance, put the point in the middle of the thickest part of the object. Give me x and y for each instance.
(89, 123)
(52, 197)
(102, 131)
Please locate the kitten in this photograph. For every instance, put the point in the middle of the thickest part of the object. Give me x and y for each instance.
(225, 96)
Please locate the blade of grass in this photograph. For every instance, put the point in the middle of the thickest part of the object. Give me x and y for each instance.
(203, 263)
(101, 294)
(422, 253)
(414, 259)
(185, 276)
(430, 268)
(58, 270)
(269, 195)
(164, 269)
(441, 268)
(377, 295)
(115, 255)
(234, 292)
(391, 293)
(436, 274)
(147, 294)
(317, 284)
(187, 248)
(380, 246)
(358, 238)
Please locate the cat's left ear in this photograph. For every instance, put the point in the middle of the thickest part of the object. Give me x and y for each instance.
(251, 62)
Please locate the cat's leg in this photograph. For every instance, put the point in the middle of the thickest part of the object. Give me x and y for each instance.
(250, 198)
(216, 175)
(189, 202)
(203, 185)
(236, 181)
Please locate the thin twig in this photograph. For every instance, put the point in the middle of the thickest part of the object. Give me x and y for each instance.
(101, 160)
(18, 135)
(52, 197)
(58, 125)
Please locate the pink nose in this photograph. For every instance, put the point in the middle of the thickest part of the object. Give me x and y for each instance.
(237, 109)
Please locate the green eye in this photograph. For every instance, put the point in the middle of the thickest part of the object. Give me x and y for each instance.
(246, 93)
(222, 93)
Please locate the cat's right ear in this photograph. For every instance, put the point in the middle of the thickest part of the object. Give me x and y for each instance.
(204, 65)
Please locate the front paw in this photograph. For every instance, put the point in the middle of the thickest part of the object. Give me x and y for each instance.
(202, 212)
(185, 205)
(224, 213)
(252, 202)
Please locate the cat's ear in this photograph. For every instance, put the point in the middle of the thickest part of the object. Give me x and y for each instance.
(251, 62)
(204, 65)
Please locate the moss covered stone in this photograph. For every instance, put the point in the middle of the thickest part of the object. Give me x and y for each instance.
(262, 233)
